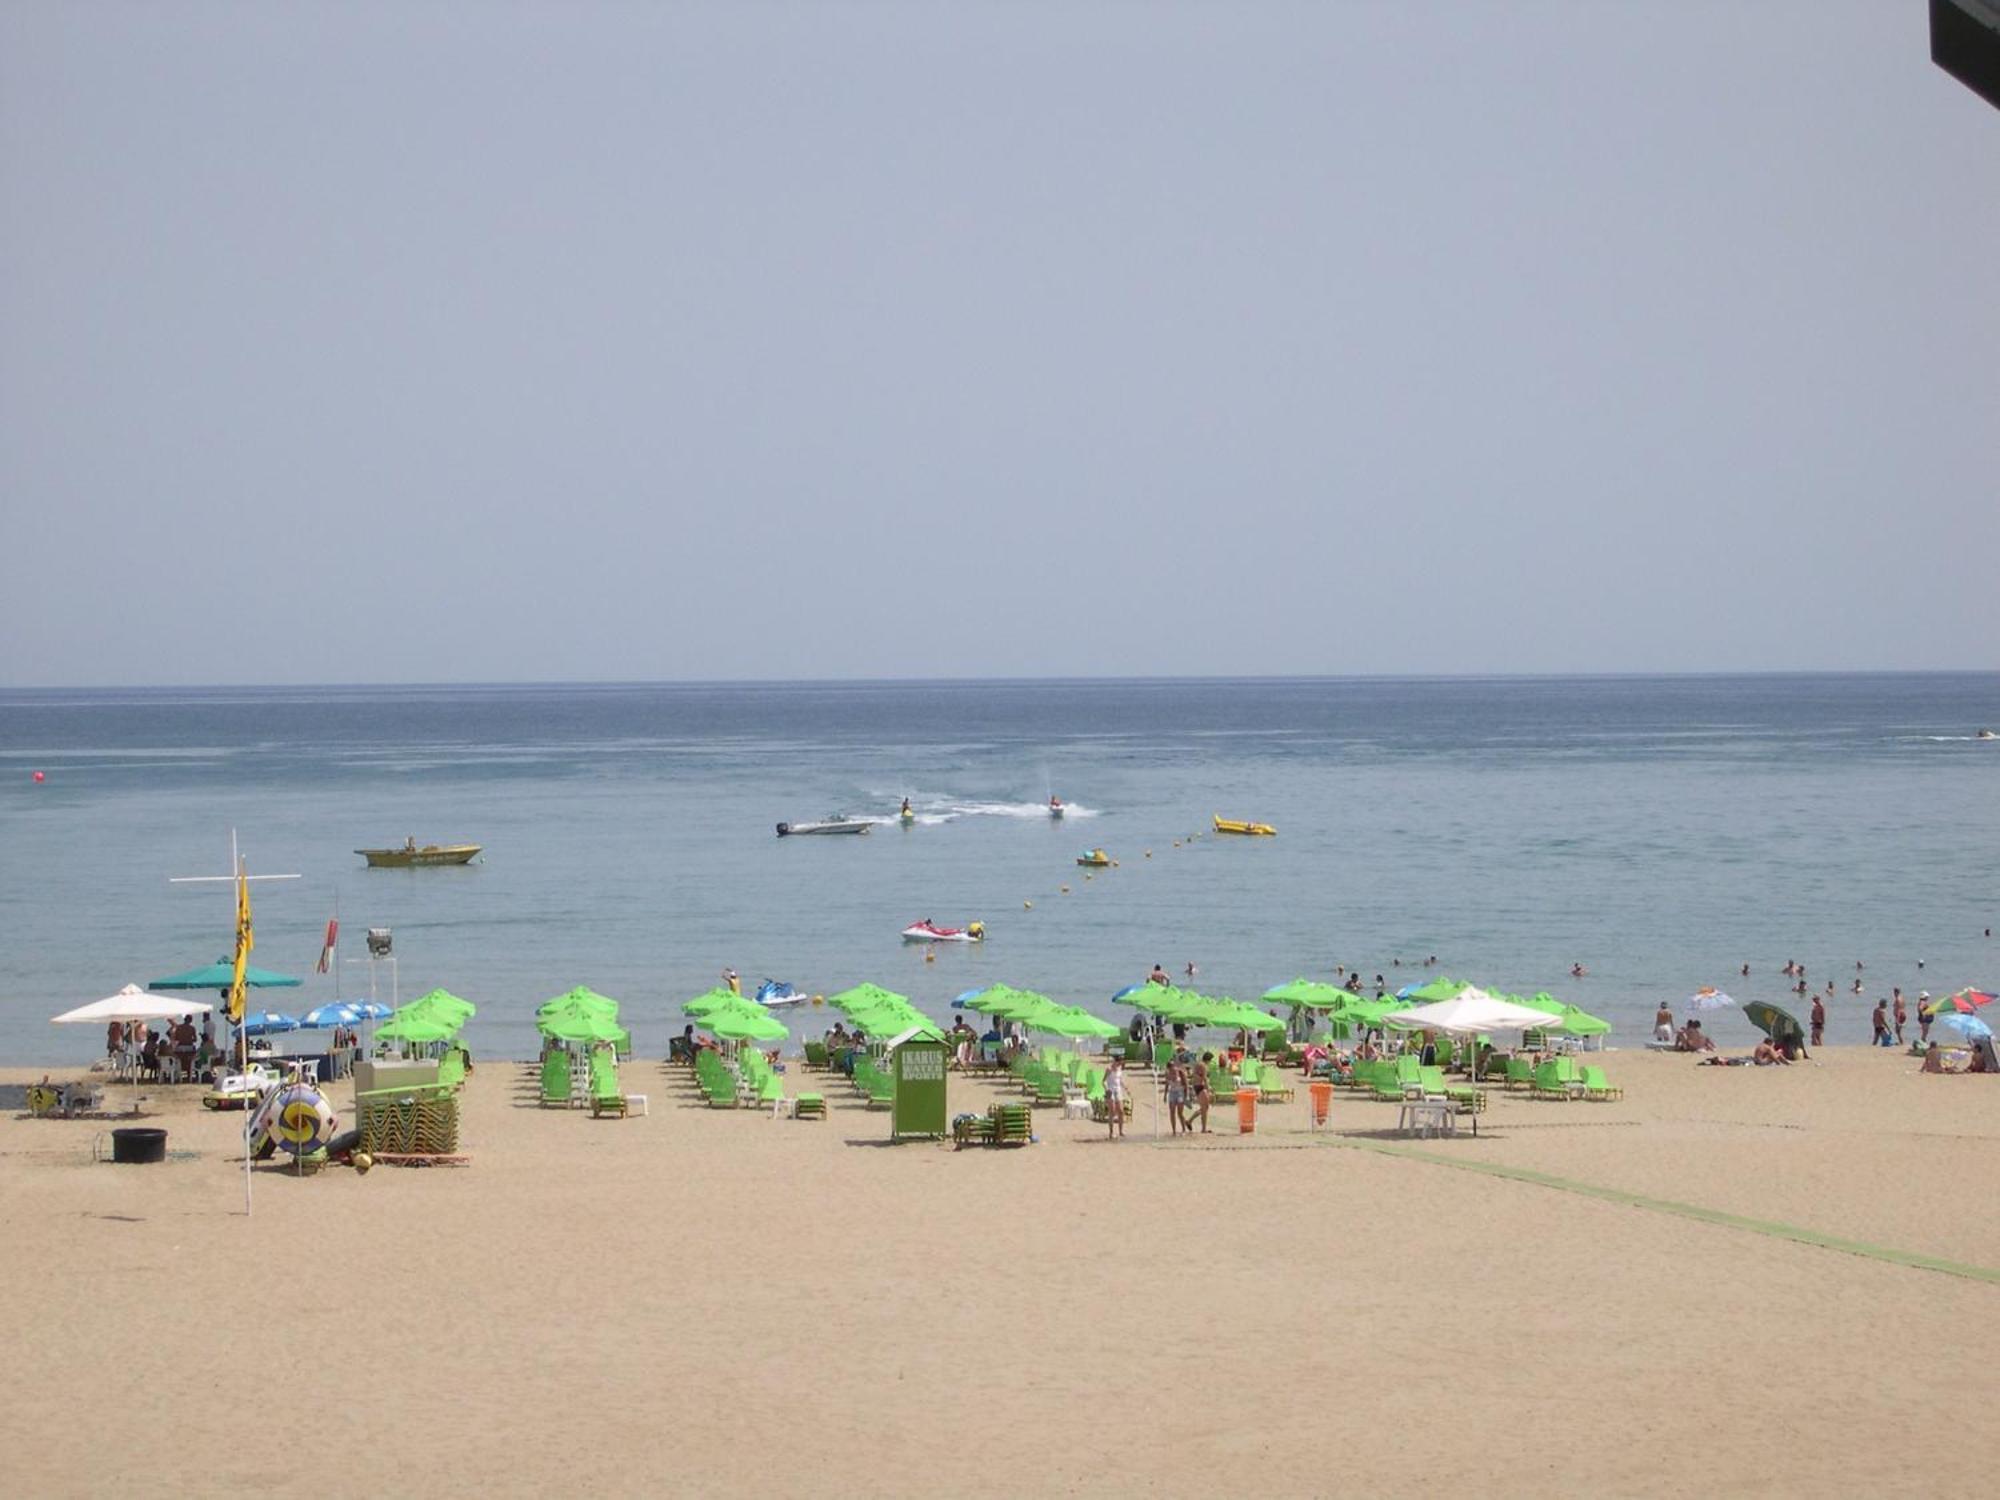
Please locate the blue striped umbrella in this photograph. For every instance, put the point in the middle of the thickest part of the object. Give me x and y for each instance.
(339, 1013)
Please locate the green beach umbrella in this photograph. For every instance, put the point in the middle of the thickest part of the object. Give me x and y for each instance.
(893, 1020)
(1310, 994)
(1213, 1010)
(406, 1026)
(1071, 1020)
(1438, 989)
(1582, 1023)
(753, 1025)
(864, 997)
(582, 1025)
(580, 998)
(220, 975)
(716, 998)
(444, 1006)
(1368, 1012)
(1773, 1022)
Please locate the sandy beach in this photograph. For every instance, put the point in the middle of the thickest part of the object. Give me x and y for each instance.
(709, 1301)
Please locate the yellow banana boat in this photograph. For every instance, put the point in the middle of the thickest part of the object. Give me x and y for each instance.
(1230, 825)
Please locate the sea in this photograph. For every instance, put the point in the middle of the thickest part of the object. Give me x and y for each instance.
(1662, 832)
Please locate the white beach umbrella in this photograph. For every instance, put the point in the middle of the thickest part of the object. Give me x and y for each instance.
(1708, 997)
(1470, 1012)
(130, 1004)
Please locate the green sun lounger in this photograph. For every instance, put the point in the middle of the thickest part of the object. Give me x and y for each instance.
(555, 1079)
(1597, 1086)
(606, 1097)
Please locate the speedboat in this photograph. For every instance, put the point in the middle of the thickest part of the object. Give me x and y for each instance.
(1230, 825)
(837, 823)
(413, 855)
(775, 993)
(928, 931)
(1095, 859)
(1986, 734)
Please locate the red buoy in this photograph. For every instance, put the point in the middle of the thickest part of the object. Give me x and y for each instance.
(38, 776)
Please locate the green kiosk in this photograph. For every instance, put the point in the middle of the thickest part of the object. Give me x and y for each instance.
(916, 1064)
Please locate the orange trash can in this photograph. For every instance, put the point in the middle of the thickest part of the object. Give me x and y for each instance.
(1322, 1100)
(1246, 1111)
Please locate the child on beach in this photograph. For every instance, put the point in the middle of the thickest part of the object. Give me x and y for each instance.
(1177, 1120)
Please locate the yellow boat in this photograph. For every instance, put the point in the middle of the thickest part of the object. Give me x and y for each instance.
(413, 854)
(1096, 859)
(1229, 825)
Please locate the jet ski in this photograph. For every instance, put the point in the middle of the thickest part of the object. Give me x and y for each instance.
(1094, 859)
(927, 931)
(1055, 807)
(775, 992)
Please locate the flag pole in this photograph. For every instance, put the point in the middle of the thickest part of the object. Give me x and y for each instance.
(238, 980)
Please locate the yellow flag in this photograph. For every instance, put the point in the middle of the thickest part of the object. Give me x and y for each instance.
(244, 943)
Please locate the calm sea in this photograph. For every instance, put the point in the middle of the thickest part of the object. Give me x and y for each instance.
(1661, 831)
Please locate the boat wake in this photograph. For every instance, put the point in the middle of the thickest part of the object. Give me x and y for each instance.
(1020, 810)
(933, 810)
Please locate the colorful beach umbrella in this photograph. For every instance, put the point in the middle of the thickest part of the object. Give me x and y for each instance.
(268, 1022)
(1708, 997)
(339, 1013)
(1965, 1002)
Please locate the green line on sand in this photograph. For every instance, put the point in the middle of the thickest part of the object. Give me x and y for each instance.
(1686, 1211)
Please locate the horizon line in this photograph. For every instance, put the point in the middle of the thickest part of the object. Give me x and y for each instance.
(1003, 680)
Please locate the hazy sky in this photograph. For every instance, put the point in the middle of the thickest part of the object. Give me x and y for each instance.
(485, 341)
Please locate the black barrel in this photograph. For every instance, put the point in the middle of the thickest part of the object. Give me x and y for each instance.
(138, 1146)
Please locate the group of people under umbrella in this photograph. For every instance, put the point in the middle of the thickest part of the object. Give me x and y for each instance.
(130, 1015)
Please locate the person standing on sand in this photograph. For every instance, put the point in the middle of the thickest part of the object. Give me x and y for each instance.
(1176, 1098)
(1924, 1014)
(1902, 1017)
(1204, 1092)
(1818, 1020)
(1663, 1023)
(1881, 1021)
(1114, 1099)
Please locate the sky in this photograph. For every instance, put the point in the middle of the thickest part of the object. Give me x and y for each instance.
(525, 342)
